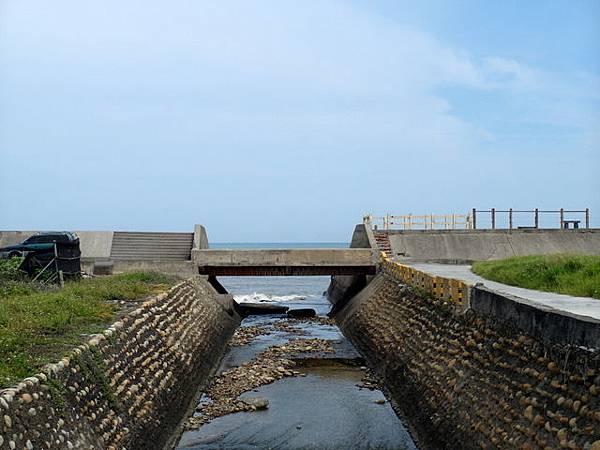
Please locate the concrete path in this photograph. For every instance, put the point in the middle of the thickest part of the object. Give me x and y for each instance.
(584, 307)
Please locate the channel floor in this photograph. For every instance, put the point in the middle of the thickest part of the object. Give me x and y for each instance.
(327, 408)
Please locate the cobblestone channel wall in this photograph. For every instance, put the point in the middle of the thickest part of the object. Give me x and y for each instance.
(129, 387)
(464, 382)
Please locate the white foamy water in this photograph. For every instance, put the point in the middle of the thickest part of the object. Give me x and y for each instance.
(267, 298)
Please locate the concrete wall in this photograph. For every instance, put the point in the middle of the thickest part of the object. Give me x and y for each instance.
(95, 244)
(200, 237)
(14, 237)
(547, 326)
(129, 387)
(96, 251)
(548, 323)
(465, 381)
(344, 287)
(361, 237)
(477, 245)
(178, 268)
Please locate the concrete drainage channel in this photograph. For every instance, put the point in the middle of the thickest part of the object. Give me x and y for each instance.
(291, 383)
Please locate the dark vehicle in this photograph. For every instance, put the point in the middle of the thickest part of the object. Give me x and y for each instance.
(32, 243)
(55, 251)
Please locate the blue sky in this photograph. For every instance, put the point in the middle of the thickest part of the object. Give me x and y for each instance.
(287, 121)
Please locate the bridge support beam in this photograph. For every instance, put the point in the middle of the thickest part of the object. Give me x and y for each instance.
(285, 262)
(254, 271)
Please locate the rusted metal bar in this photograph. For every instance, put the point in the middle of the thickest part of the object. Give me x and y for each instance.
(510, 219)
(493, 211)
(562, 218)
(536, 218)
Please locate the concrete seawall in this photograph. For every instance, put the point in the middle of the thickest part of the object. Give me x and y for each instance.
(461, 246)
(94, 244)
(479, 245)
(467, 381)
(102, 252)
(128, 387)
(546, 325)
(344, 287)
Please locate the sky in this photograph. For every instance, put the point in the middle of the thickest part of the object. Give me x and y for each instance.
(287, 121)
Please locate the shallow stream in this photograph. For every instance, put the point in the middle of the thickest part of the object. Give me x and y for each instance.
(324, 406)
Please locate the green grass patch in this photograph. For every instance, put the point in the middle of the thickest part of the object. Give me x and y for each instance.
(39, 323)
(577, 275)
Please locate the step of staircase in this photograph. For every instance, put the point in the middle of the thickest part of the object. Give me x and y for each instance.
(151, 246)
(383, 242)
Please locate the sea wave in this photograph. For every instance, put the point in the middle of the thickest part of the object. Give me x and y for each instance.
(262, 298)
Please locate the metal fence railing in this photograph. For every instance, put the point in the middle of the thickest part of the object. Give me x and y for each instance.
(484, 219)
(530, 219)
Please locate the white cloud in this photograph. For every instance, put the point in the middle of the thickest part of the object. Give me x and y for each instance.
(503, 73)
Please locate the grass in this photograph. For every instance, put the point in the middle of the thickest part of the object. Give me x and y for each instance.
(576, 275)
(39, 323)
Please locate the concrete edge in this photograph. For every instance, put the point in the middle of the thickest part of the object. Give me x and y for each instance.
(497, 231)
(542, 321)
(200, 238)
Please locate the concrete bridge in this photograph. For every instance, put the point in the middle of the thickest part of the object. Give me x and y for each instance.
(265, 262)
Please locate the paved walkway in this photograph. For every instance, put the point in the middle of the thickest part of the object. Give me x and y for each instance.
(583, 307)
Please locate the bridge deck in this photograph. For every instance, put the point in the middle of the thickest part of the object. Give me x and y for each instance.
(322, 261)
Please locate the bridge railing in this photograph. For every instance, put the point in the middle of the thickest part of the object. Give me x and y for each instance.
(484, 219)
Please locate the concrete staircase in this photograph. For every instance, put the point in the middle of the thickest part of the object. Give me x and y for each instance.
(383, 242)
(149, 246)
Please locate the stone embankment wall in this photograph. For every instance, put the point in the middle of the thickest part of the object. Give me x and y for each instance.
(465, 382)
(129, 387)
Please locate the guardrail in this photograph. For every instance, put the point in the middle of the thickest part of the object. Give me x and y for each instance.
(451, 290)
(421, 222)
(484, 219)
(507, 218)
